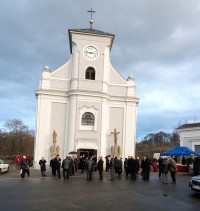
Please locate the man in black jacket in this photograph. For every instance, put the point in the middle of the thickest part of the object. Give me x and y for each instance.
(57, 163)
(42, 164)
(132, 168)
(52, 165)
(82, 163)
(100, 167)
(160, 160)
(146, 168)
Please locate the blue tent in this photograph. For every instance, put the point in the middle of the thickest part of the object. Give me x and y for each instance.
(178, 151)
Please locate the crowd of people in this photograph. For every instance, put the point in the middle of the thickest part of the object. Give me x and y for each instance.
(167, 165)
(133, 167)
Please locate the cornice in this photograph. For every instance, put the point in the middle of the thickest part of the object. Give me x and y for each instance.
(86, 93)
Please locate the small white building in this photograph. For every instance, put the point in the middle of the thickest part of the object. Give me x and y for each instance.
(84, 100)
(190, 136)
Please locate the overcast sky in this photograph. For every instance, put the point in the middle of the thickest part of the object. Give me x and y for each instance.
(156, 41)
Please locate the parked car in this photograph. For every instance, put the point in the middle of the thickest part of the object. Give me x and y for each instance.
(3, 167)
(194, 183)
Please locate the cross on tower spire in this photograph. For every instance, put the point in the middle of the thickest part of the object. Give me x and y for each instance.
(91, 20)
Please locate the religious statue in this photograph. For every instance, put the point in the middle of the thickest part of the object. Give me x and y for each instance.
(115, 150)
(54, 149)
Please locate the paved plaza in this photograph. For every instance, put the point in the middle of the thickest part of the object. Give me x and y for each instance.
(48, 193)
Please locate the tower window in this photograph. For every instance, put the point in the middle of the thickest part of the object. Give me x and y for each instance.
(88, 119)
(90, 73)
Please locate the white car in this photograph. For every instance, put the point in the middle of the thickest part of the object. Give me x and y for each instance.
(194, 183)
(3, 167)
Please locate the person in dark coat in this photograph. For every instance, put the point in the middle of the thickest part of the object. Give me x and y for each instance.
(115, 162)
(129, 163)
(75, 163)
(160, 160)
(95, 162)
(118, 165)
(23, 166)
(165, 170)
(112, 167)
(82, 163)
(146, 168)
(142, 167)
(42, 164)
(100, 167)
(132, 168)
(137, 160)
(90, 168)
(52, 165)
(189, 161)
(66, 167)
(57, 164)
(72, 166)
(107, 163)
(196, 166)
(126, 167)
(183, 161)
(27, 167)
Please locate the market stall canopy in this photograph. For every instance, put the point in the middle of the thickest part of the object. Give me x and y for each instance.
(179, 151)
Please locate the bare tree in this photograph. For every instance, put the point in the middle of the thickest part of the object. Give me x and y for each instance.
(17, 138)
(157, 142)
(15, 126)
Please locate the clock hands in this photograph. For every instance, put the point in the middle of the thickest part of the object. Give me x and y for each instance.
(89, 52)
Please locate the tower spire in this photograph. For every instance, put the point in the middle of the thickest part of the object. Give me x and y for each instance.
(91, 20)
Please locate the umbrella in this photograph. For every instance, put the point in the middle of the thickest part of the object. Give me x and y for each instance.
(108, 156)
(73, 153)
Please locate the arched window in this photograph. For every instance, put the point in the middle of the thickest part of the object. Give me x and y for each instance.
(90, 73)
(88, 119)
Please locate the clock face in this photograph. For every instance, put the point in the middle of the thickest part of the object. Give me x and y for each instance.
(91, 53)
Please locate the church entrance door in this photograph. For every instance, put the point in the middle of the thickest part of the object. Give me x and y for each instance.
(87, 152)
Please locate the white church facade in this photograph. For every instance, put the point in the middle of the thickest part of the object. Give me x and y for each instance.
(84, 104)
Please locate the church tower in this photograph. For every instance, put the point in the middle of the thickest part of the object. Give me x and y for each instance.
(80, 104)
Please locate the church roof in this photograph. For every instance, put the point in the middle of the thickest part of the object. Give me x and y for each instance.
(90, 31)
(189, 126)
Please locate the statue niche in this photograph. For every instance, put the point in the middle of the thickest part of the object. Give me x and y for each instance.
(54, 149)
(115, 150)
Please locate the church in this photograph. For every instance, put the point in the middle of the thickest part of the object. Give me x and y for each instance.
(85, 106)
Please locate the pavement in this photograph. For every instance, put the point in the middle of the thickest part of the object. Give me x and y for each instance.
(49, 193)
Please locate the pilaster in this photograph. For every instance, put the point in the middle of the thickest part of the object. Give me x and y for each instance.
(104, 127)
(71, 127)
